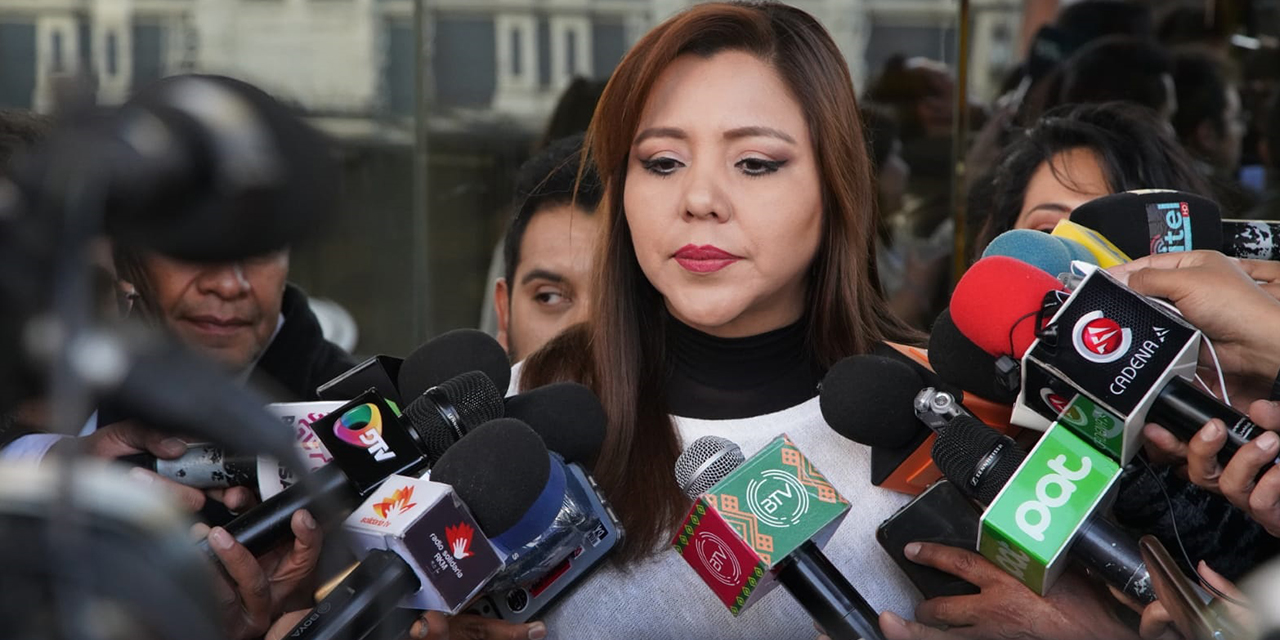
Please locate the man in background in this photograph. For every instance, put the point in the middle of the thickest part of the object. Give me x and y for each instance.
(549, 250)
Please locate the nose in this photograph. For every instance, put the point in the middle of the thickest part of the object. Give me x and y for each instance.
(226, 281)
(705, 197)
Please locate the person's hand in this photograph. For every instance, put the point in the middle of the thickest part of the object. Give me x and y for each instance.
(468, 626)
(1238, 481)
(1219, 296)
(129, 438)
(255, 591)
(1157, 624)
(1005, 608)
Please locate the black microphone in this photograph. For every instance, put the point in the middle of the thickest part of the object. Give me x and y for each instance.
(960, 362)
(452, 353)
(369, 443)
(853, 404)
(567, 416)
(1149, 221)
(813, 581)
(851, 399)
(505, 476)
(980, 460)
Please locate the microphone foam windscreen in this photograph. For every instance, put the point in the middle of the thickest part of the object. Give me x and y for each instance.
(1035, 248)
(499, 470)
(450, 354)
(1076, 250)
(567, 415)
(1148, 221)
(962, 445)
(452, 409)
(995, 304)
(960, 362)
(869, 399)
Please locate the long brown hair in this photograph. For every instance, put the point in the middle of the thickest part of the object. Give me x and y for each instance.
(620, 352)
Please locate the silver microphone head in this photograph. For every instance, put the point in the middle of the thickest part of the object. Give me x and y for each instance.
(706, 462)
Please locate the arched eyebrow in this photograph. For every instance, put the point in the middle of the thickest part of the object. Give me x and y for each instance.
(732, 134)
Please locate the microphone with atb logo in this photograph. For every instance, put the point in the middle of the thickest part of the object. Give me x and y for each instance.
(757, 523)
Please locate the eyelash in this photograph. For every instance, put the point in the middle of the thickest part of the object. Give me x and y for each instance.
(663, 166)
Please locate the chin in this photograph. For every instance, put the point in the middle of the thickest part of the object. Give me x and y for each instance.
(704, 314)
(233, 360)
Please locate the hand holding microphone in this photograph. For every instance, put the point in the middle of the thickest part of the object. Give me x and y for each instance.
(1073, 609)
(1220, 296)
(255, 591)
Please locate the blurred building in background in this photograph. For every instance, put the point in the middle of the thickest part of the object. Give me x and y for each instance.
(494, 71)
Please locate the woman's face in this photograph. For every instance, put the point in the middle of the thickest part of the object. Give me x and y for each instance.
(722, 195)
(1066, 181)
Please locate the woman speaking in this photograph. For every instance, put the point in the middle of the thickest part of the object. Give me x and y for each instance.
(736, 266)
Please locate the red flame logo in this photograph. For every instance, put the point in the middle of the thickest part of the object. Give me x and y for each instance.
(399, 500)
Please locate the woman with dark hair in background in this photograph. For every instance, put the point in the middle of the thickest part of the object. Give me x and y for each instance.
(1077, 153)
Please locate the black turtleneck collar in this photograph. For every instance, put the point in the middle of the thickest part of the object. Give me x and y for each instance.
(729, 378)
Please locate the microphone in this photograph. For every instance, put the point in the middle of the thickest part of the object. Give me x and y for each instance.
(204, 466)
(567, 416)
(1050, 254)
(438, 555)
(1252, 239)
(377, 373)
(545, 564)
(207, 465)
(961, 363)
(451, 354)
(1106, 254)
(786, 517)
(983, 463)
(1150, 221)
(868, 399)
(370, 443)
(442, 358)
(995, 303)
(1108, 362)
(851, 398)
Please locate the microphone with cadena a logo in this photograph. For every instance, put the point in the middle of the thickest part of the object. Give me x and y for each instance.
(782, 505)
(1111, 360)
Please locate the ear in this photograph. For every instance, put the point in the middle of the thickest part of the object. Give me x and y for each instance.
(502, 308)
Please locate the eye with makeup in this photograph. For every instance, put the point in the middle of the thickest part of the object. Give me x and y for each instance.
(661, 165)
(759, 166)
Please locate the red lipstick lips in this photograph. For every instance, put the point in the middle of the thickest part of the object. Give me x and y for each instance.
(704, 259)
